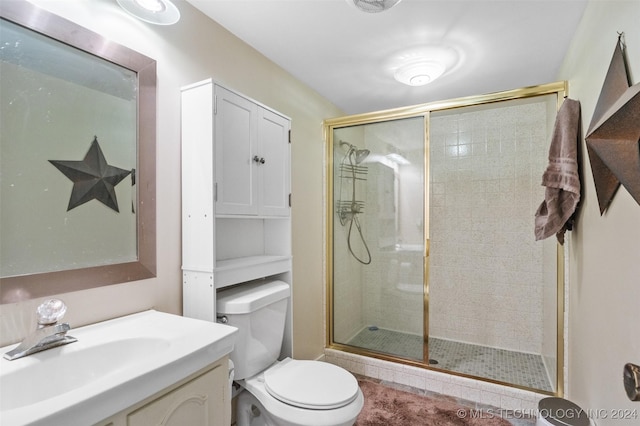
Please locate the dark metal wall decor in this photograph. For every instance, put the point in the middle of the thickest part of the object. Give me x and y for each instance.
(613, 138)
(93, 178)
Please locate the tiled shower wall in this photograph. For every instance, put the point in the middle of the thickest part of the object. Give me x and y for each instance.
(394, 280)
(394, 228)
(347, 279)
(347, 290)
(486, 270)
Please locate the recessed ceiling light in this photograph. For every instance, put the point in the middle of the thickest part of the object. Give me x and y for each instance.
(159, 12)
(419, 72)
(373, 6)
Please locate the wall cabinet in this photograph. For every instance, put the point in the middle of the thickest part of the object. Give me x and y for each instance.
(251, 157)
(236, 224)
(201, 400)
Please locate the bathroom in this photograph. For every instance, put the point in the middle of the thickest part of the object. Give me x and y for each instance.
(603, 263)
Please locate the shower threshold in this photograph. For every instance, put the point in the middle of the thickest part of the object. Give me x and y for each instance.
(518, 368)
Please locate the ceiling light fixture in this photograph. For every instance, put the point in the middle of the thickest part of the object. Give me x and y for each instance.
(419, 72)
(420, 65)
(159, 12)
(373, 6)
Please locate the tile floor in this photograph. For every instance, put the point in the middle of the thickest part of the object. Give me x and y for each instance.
(522, 369)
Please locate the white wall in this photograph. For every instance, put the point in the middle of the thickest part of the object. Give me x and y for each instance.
(194, 49)
(605, 261)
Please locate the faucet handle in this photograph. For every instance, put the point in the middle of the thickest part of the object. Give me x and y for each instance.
(51, 311)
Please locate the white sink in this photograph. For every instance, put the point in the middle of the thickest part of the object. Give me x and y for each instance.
(113, 365)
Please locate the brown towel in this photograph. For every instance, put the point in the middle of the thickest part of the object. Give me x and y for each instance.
(561, 178)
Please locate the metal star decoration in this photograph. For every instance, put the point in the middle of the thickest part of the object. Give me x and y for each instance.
(92, 178)
(613, 138)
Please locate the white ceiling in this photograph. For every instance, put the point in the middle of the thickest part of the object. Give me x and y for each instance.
(350, 57)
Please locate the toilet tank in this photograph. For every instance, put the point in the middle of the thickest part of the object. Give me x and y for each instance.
(258, 309)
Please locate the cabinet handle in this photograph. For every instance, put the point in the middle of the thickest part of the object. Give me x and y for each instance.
(260, 160)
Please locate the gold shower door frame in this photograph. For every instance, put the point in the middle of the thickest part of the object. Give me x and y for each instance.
(560, 89)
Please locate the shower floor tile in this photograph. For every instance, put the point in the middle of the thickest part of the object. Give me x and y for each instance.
(518, 368)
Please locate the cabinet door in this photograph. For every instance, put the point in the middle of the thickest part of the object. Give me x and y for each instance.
(274, 173)
(200, 402)
(235, 149)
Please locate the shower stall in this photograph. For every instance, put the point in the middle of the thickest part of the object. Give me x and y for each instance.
(432, 259)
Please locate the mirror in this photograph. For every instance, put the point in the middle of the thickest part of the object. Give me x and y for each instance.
(77, 155)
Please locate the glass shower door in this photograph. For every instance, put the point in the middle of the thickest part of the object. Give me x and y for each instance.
(483, 299)
(378, 282)
(492, 287)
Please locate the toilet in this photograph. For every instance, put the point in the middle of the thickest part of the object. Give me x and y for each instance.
(284, 392)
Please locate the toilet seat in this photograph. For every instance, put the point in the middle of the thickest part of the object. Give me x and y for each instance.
(311, 384)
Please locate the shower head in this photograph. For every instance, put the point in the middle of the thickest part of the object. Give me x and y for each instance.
(359, 154)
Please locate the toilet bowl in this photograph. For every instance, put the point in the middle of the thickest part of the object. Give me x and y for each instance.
(283, 392)
(299, 393)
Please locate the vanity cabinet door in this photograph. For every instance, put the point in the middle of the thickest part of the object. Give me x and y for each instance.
(200, 402)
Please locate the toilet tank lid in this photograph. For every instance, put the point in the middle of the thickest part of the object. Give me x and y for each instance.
(249, 297)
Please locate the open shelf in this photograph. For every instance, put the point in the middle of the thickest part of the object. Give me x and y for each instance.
(234, 271)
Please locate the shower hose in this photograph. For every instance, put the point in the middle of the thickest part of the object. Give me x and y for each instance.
(354, 219)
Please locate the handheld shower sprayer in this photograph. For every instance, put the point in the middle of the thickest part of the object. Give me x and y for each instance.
(349, 209)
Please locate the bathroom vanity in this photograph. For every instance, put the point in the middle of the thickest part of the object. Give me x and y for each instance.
(199, 400)
(141, 369)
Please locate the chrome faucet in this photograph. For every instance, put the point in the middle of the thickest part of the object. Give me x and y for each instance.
(49, 333)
